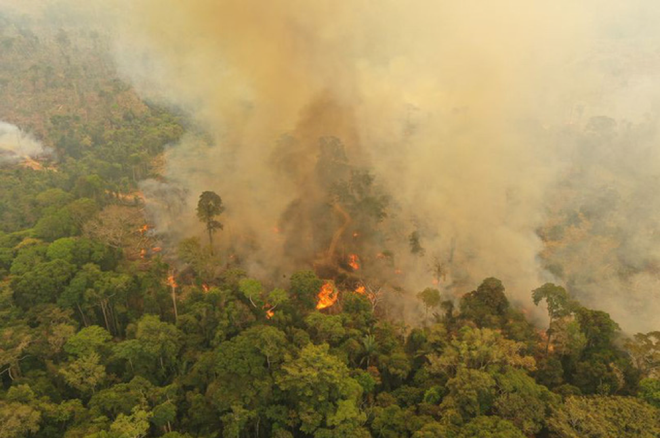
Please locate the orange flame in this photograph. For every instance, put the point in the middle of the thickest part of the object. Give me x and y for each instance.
(205, 287)
(156, 249)
(327, 296)
(269, 310)
(362, 290)
(143, 229)
(171, 282)
(143, 253)
(354, 261)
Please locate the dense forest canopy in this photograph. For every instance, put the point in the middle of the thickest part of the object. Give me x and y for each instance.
(138, 303)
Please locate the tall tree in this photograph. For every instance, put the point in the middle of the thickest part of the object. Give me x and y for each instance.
(208, 208)
(559, 305)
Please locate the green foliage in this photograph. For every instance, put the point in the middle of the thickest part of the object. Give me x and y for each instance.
(597, 326)
(18, 419)
(490, 427)
(55, 225)
(321, 393)
(209, 207)
(430, 297)
(87, 341)
(43, 284)
(305, 286)
(487, 306)
(649, 391)
(84, 373)
(597, 416)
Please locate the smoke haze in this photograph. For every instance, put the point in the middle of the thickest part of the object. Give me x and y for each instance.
(518, 139)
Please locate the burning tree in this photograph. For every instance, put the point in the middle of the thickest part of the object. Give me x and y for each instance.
(208, 208)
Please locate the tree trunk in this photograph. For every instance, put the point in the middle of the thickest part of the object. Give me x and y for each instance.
(548, 334)
(82, 315)
(176, 313)
(208, 228)
(105, 315)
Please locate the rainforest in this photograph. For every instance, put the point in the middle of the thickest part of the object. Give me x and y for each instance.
(329, 219)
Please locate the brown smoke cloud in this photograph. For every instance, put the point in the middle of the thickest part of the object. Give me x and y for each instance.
(475, 118)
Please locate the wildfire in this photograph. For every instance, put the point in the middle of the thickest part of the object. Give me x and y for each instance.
(327, 296)
(156, 249)
(269, 313)
(171, 282)
(372, 296)
(354, 261)
(205, 287)
(143, 253)
(143, 229)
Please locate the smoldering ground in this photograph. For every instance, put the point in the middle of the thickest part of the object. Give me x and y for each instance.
(517, 139)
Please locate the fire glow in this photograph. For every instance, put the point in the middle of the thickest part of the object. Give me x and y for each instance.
(327, 296)
(354, 261)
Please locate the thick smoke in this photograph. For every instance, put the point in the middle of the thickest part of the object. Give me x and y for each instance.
(479, 121)
(16, 145)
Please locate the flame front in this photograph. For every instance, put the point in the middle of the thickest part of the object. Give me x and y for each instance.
(143, 229)
(205, 287)
(354, 261)
(361, 290)
(327, 296)
(171, 282)
(269, 313)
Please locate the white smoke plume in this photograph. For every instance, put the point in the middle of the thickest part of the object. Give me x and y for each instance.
(16, 145)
